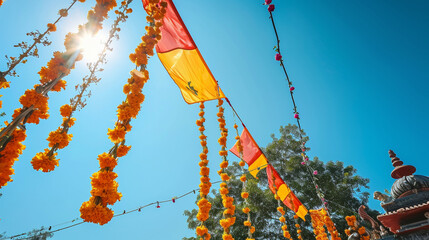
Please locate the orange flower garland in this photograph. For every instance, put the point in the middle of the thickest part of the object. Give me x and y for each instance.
(203, 204)
(354, 227)
(243, 179)
(227, 201)
(10, 154)
(330, 225)
(60, 138)
(104, 187)
(318, 225)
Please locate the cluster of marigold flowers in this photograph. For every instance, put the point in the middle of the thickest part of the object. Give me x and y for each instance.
(330, 225)
(244, 193)
(204, 205)
(10, 154)
(104, 187)
(354, 227)
(318, 225)
(58, 139)
(227, 201)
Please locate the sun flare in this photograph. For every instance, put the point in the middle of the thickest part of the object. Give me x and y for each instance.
(92, 46)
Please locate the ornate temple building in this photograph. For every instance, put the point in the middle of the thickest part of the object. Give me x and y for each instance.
(407, 209)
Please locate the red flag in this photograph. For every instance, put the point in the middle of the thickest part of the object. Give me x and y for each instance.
(285, 193)
(252, 154)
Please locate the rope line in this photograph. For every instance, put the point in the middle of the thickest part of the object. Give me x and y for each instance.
(295, 110)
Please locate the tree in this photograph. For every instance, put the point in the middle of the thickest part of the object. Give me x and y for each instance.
(36, 234)
(341, 187)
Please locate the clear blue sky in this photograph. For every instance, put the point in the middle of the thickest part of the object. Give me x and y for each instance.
(359, 68)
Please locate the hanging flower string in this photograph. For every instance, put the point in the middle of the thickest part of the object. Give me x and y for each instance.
(35, 101)
(318, 225)
(204, 205)
(330, 225)
(244, 193)
(298, 227)
(10, 154)
(227, 201)
(104, 187)
(354, 228)
(46, 161)
(31, 50)
(305, 158)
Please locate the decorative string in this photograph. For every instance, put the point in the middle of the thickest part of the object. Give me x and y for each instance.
(305, 158)
(77, 221)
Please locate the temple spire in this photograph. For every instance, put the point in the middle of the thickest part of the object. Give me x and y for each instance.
(400, 170)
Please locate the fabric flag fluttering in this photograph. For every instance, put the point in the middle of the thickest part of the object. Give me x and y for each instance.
(285, 193)
(252, 154)
(183, 61)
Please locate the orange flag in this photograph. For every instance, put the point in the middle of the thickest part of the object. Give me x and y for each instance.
(285, 193)
(252, 154)
(183, 61)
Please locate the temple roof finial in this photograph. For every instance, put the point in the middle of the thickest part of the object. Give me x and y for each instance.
(400, 170)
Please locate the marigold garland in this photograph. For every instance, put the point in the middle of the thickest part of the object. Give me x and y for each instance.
(104, 187)
(318, 225)
(204, 205)
(76, 103)
(10, 154)
(330, 225)
(243, 179)
(227, 201)
(354, 227)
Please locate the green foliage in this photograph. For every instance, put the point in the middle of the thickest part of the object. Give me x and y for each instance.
(340, 186)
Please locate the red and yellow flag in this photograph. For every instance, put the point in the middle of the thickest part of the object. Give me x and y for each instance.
(183, 61)
(285, 193)
(252, 154)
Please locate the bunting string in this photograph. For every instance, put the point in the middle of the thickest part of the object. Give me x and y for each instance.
(74, 223)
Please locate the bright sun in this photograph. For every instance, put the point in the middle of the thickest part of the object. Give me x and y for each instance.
(91, 46)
